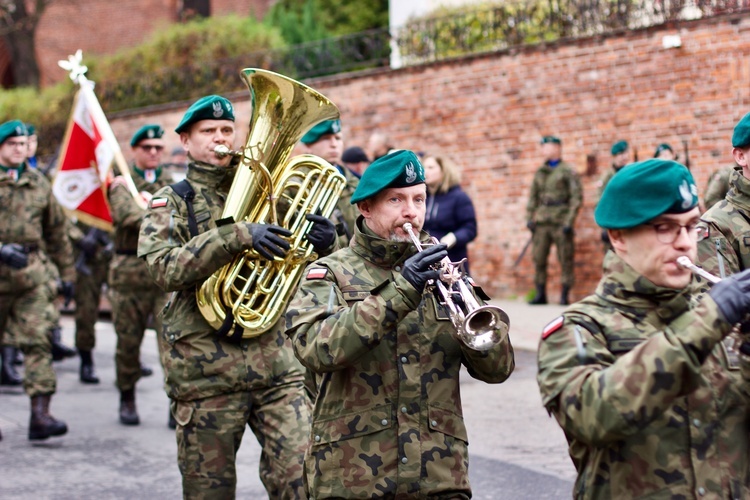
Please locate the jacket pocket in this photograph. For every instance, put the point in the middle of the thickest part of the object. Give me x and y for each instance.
(352, 425)
(447, 422)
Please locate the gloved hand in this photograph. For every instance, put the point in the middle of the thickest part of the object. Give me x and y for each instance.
(14, 255)
(266, 239)
(531, 225)
(67, 290)
(322, 233)
(89, 244)
(418, 269)
(567, 229)
(732, 295)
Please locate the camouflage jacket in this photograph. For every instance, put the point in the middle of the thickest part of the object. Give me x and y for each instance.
(556, 195)
(30, 215)
(198, 364)
(127, 272)
(388, 419)
(349, 212)
(652, 404)
(718, 186)
(604, 180)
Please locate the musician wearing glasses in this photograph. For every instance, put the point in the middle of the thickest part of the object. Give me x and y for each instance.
(387, 421)
(636, 373)
(134, 296)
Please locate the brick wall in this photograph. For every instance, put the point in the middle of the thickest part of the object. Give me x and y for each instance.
(489, 112)
(105, 26)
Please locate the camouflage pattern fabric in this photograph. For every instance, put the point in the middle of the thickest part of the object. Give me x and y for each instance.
(29, 215)
(387, 420)
(554, 201)
(603, 181)
(718, 186)
(134, 296)
(200, 366)
(650, 401)
(349, 212)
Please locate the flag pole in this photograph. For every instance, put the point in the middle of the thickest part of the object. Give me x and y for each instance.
(78, 75)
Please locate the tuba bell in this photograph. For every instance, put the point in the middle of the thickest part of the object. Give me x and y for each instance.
(251, 293)
(478, 327)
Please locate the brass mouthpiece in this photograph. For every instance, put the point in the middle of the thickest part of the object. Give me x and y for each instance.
(222, 151)
(685, 262)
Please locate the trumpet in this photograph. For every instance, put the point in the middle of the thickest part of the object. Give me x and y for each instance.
(685, 262)
(478, 327)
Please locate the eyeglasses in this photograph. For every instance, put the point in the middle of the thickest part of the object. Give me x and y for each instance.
(149, 147)
(17, 144)
(668, 232)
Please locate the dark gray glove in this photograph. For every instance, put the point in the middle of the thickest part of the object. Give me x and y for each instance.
(418, 268)
(267, 239)
(67, 290)
(322, 233)
(14, 255)
(567, 230)
(89, 244)
(732, 295)
(531, 225)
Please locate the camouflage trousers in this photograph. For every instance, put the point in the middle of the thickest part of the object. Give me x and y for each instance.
(88, 293)
(25, 313)
(210, 430)
(131, 312)
(544, 236)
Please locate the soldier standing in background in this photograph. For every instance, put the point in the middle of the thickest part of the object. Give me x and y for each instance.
(220, 384)
(134, 296)
(387, 421)
(32, 229)
(664, 152)
(635, 374)
(620, 152)
(718, 185)
(554, 201)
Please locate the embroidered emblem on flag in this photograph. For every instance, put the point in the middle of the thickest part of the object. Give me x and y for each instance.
(552, 327)
(316, 273)
(158, 202)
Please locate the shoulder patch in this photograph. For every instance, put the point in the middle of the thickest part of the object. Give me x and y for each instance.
(158, 202)
(317, 273)
(552, 327)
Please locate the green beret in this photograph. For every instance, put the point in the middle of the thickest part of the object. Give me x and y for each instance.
(321, 129)
(30, 129)
(550, 139)
(147, 132)
(662, 147)
(398, 169)
(619, 147)
(642, 191)
(210, 107)
(741, 135)
(13, 128)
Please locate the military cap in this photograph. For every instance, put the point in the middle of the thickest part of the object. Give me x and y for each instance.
(354, 154)
(741, 135)
(30, 129)
(321, 129)
(147, 132)
(551, 139)
(642, 191)
(210, 107)
(398, 169)
(13, 128)
(619, 147)
(662, 147)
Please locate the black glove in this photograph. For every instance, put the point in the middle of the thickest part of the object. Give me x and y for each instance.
(732, 295)
(418, 269)
(531, 225)
(322, 233)
(14, 255)
(67, 290)
(89, 244)
(266, 239)
(567, 229)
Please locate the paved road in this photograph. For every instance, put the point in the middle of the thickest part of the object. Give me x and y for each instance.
(517, 451)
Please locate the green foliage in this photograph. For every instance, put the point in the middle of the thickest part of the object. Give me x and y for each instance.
(303, 21)
(298, 21)
(344, 17)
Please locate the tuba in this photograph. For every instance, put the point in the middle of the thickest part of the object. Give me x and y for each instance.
(251, 293)
(477, 327)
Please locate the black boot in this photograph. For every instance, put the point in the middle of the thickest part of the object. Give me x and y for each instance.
(88, 375)
(146, 371)
(59, 350)
(564, 295)
(42, 424)
(9, 375)
(128, 413)
(540, 297)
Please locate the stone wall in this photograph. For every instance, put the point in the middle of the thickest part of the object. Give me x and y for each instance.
(490, 111)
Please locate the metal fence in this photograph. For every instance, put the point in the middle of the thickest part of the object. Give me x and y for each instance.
(514, 23)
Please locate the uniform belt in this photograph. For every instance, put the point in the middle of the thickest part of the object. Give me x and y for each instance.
(125, 251)
(554, 203)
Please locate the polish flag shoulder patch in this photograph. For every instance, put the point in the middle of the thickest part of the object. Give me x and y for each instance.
(317, 273)
(552, 327)
(158, 202)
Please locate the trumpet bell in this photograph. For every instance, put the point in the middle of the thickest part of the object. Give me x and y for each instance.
(484, 328)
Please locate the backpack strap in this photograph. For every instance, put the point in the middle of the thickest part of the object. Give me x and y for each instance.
(185, 191)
